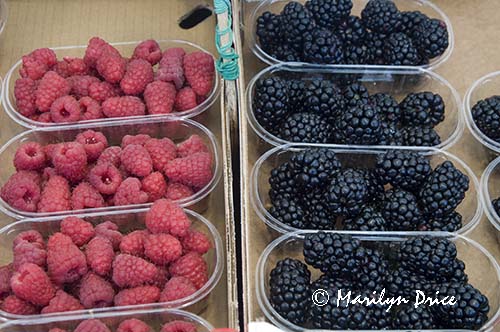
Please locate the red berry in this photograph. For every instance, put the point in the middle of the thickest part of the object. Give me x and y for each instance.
(90, 109)
(171, 67)
(138, 75)
(56, 195)
(110, 231)
(155, 186)
(31, 236)
(148, 50)
(65, 109)
(22, 191)
(79, 230)
(123, 106)
(191, 266)
(194, 170)
(86, 197)
(177, 288)
(111, 155)
(95, 292)
(30, 156)
(14, 305)
(95, 49)
(27, 252)
(160, 97)
(70, 160)
(164, 216)
(102, 91)
(185, 99)
(6, 272)
(92, 325)
(100, 255)
(50, 88)
(161, 152)
(105, 177)
(80, 84)
(37, 63)
(129, 192)
(93, 142)
(133, 325)
(137, 295)
(65, 262)
(62, 302)
(136, 160)
(133, 243)
(24, 92)
(162, 249)
(161, 277)
(58, 240)
(111, 66)
(192, 145)
(139, 139)
(31, 283)
(131, 271)
(200, 72)
(178, 326)
(196, 241)
(76, 66)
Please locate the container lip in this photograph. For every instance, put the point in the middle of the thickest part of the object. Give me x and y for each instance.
(185, 202)
(349, 69)
(268, 59)
(276, 319)
(271, 221)
(11, 110)
(486, 197)
(178, 304)
(467, 109)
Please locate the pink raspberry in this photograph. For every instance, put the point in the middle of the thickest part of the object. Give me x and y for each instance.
(30, 156)
(95, 49)
(6, 272)
(85, 196)
(79, 230)
(164, 216)
(70, 160)
(80, 84)
(178, 326)
(44, 118)
(177, 288)
(47, 173)
(50, 88)
(62, 302)
(129, 192)
(131, 271)
(31, 236)
(139, 139)
(56, 195)
(102, 91)
(57, 240)
(106, 178)
(160, 97)
(76, 66)
(62, 69)
(92, 325)
(133, 243)
(100, 255)
(148, 50)
(65, 109)
(110, 231)
(90, 109)
(133, 325)
(196, 241)
(192, 145)
(25, 94)
(161, 277)
(161, 152)
(22, 191)
(185, 99)
(37, 63)
(200, 72)
(171, 67)
(111, 67)
(31, 283)
(110, 155)
(27, 252)
(66, 263)
(139, 73)
(191, 266)
(93, 142)
(194, 170)
(123, 106)
(162, 249)
(137, 295)
(155, 186)
(136, 160)
(95, 292)
(50, 149)
(14, 305)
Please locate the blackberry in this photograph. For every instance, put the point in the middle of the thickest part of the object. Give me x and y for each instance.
(410, 21)
(270, 102)
(443, 190)
(323, 47)
(386, 106)
(356, 55)
(317, 213)
(324, 98)
(285, 53)
(375, 186)
(281, 182)
(296, 93)
(369, 219)
(400, 51)
(289, 288)
(359, 125)
(457, 275)
(373, 269)
(347, 192)
(400, 210)
(269, 30)
(296, 22)
(411, 318)
(305, 128)
(470, 311)
(486, 115)
(403, 282)
(403, 169)
(327, 282)
(375, 43)
(420, 136)
(381, 16)
(422, 109)
(289, 212)
(352, 31)
(451, 222)
(329, 13)
(391, 135)
(356, 94)
(496, 205)
(431, 38)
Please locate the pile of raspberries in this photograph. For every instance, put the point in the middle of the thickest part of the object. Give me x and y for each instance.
(85, 266)
(104, 84)
(130, 325)
(87, 173)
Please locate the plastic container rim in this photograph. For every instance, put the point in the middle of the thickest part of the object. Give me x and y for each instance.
(486, 198)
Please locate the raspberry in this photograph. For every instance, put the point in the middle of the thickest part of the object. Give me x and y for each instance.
(24, 92)
(37, 63)
(22, 191)
(200, 72)
(177, 288)
(76, 66)
(65, 109)
(129, 192)
(155, 186)
(95, 49)
(100, 255)
(31, 283)
(170, 69)
(70, 160)
(95, 292)
(105, 177)
(186, 99)
(86, 197)
(196, 241)
(90, 109)
(148, 50)
(50, 88)
(161, 277)
(102, 91)
(92, 325)
(139, 139)
(110, 231)
(111, 67)
(80, 84)
(162, 249)
(194, 170)
(50, 149)
(47, 173)
(6, 272)
(136, 160)
(61, 68)
(55, 196)
(191, 266)
(31, 236)
(110, 155)
(123, 106)
(27, 252)
(164, 216)
(160, 97)
(177, 191)
(192, 145)
(133, 243)
(62, 302)
(133, 325)
(79, 230)
(137, 295)
(14, 305)
(93, 142)
(178, 326)
(65, 262)
(44, 118)
(131, 271)
(138, 75)
(161, 152)
(30, 156)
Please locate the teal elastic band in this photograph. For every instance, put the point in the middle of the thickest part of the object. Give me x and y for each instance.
(227, 64)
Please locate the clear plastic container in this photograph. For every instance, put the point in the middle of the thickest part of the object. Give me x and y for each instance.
(275, 6)
(175, 129)
(126, 48)
(490, 190)
(127, 221)
(471, 208)
(480, 265)
(396, 81)
(4, 13)
(155, 318)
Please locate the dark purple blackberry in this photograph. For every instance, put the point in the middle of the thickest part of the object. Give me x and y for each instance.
(375, 43)
(324, 98)
(373, 270)
(386, 106)
(352, 31)
(317, 214)
(358, 125)
(431, 38)
(424, 109)
(356, 55)
(305, 128)
(285, 53)
(356, 94)
(457, 275)
(375, 186)
(296, 22)
(411, 318)
(443, 190)
(368, 220)
(288, 211)
(496, 206)
(269, 30)
(391, 135)
(347, 192)
(400, 210)
(381, 16)
(449, 223)
(403, 282)
(400, 51)
(327, 282)
(282, 182)
(323, 47)
(270, 102)
(410, 21)
(296, 94)
(420, 136)
(486, 115)
(329, 13)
